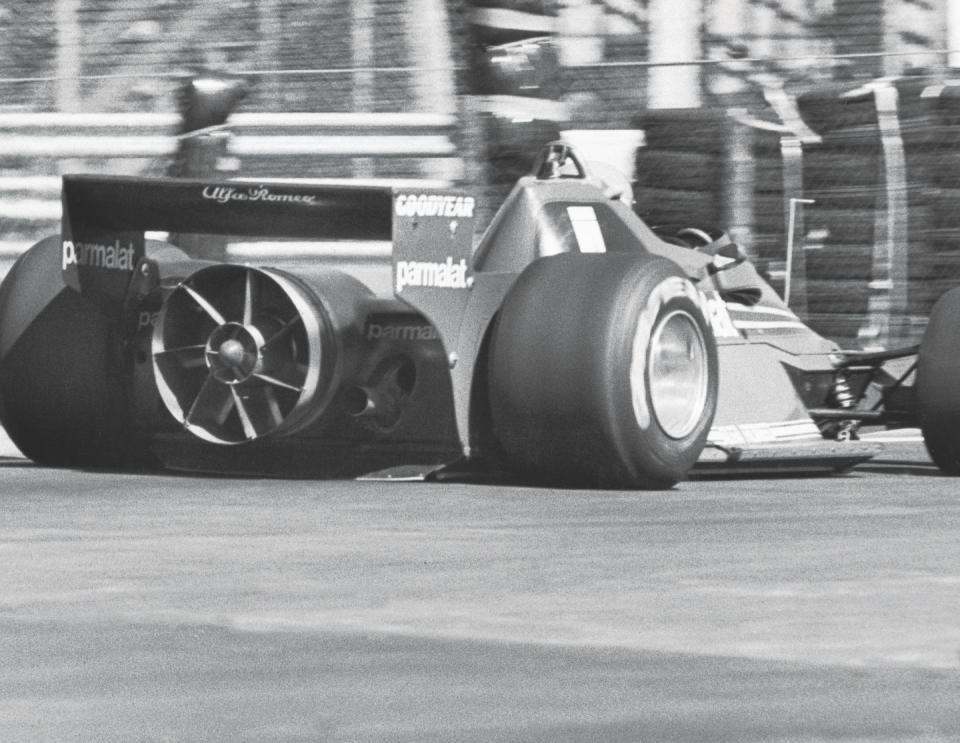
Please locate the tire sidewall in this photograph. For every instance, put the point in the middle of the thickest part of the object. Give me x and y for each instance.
(938, 383)
(559, 374)
(645, 446)
(61, 375)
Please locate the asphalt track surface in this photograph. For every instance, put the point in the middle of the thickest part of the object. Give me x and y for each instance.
(167, 608)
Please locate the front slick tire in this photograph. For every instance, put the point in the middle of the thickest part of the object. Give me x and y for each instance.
(603, 372)
(938, 383)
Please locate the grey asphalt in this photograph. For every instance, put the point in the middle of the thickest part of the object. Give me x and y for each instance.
(165, 608)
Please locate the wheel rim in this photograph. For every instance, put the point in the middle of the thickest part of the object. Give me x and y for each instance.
(236, 354)
(677, 373)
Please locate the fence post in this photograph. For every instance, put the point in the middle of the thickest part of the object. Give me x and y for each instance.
(69, 46)
(206, 101)
(791, 149)
(888, 287)
(740, 176)
(200, 155)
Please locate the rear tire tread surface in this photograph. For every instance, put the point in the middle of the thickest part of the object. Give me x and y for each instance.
(62, 377)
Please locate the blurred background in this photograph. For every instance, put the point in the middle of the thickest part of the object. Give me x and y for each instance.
(840, 118)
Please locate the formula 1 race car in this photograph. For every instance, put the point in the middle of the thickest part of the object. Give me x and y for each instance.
(572, 346)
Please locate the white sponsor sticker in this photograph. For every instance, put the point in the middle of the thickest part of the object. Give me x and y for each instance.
(583, 219)
(403, 332)
(114, 257)
(434, 205)
(717, 314)
(446, 275)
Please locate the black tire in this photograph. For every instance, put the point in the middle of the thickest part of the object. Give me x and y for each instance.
(768, 215)
(684, 129)
(852, 262)
(843, 226)
(664, 206)
(842, 168)
(63, 397)
(938, 383)
(686, 171)
(838, 296)
(942, 215)
(768, 175)
(825, 196)
(933, 167)
(565, 407)
(828, 109)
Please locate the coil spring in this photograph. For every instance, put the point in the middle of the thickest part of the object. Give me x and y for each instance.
(843, 397)
(842, 393)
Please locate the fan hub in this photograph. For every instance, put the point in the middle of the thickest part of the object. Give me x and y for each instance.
(233, 352)
(237, 353)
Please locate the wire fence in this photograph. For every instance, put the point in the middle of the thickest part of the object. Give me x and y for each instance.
(862, 140)
(870, 168)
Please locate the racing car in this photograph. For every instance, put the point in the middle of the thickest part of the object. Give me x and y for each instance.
(571, 345)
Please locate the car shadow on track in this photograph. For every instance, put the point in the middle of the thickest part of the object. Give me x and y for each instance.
(894, 467)
(11, 462)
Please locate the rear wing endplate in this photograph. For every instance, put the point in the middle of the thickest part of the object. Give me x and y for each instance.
(433, 234)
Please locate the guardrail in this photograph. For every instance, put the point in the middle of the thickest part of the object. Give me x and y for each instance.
(427, 135)
(113, 136)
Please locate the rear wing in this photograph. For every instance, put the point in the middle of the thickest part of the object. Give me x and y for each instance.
(105, 218)
(132, 204)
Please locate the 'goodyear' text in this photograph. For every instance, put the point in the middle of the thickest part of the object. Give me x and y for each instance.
(434, 205)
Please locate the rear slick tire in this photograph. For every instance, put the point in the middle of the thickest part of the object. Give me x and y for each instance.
(63, 396)
(603, 373)
(938, 383)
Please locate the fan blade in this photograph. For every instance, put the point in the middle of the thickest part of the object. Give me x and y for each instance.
(249, 430)
(263, 408)
(284, 330)
(204, 304)
(249, 297)
(212, 404)
(278, 382)
(186, 357)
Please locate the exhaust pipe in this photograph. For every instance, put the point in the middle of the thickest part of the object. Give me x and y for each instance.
(382, 401)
